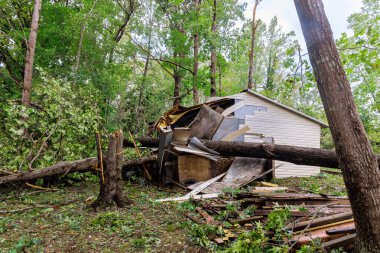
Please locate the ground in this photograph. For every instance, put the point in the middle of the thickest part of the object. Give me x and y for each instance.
(60, 221)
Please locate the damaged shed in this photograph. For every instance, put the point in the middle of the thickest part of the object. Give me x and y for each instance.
(285, 125)
(247, 117)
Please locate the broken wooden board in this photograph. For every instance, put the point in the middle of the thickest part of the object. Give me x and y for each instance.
(185, 198)
(248, 220)
(235, 134)
(319, 221)
(320, 233)
(344, 242)
(208, 218)
(205, 123)
(204, 185)
(269, 189)
(233, 108)
(228, 125)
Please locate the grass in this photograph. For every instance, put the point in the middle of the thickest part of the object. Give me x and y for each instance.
(52, 227)
(321, 184)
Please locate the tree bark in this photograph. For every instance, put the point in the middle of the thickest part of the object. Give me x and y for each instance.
(177, 87)
(213, 52)
(220, 79)
(251, 85)
(60, 168)
(111, 191)
(296, 155)
(196, 57)
(31, 48)
(355, 156)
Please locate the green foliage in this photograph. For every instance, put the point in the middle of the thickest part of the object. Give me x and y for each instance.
(201, 234)
(314, 247)
(4, 224)
(108, 219)
(255, 241)
(25, 243)
(60, 128)
(360, 54)
(277, 221)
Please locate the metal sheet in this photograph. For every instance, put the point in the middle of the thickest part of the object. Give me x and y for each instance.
(195, 143)
(244, 168)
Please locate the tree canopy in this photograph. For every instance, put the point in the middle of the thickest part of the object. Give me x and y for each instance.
(102, 64)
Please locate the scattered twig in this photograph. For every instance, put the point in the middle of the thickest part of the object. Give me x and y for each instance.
(40, 188)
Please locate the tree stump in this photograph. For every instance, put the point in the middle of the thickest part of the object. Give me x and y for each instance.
(111, 190)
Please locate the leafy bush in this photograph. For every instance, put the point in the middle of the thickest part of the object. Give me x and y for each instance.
(61, 125)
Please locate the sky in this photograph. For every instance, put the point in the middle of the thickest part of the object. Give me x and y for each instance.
(337, 12)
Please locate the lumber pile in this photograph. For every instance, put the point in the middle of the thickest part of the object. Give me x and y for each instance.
(312, 216)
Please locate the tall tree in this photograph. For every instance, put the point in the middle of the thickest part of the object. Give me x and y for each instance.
(252, 50)
(213, 52)
(196, 55)
(355, 156)
(29, 59)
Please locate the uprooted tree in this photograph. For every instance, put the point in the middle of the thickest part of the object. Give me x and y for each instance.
(355, 156)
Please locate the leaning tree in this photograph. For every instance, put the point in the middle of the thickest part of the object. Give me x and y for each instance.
(355, 155)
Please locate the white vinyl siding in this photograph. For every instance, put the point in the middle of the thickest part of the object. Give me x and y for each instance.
(287, 128)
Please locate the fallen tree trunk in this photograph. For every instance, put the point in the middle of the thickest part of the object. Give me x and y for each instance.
(293, 154)
(63, 168)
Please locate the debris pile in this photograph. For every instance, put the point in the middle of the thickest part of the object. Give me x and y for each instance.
(184, 160)
(309, 216)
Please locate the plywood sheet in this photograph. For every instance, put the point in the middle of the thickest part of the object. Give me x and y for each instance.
(193, 167)
(205, 123)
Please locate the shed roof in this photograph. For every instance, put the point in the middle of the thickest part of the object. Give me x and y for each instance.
(322, 124)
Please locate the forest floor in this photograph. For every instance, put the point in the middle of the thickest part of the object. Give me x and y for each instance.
(60, 221)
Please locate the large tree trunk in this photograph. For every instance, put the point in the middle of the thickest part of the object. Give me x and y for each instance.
(29, 59)
(60, 168)
(252, 51)
(196, 58)
(355, 156)
(297, 155)
(177, 87)
(111, 190)
(213, 52)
